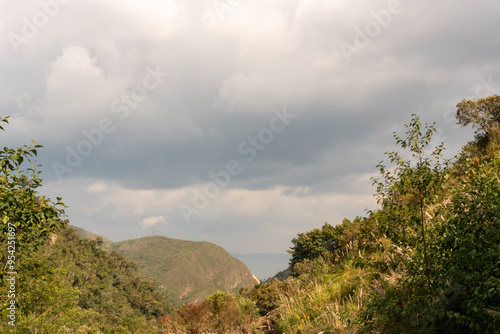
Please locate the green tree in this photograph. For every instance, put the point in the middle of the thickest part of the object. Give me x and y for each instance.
(407, 194)
(443, 222)
(25, 216)
(469, 239)
(315, 243)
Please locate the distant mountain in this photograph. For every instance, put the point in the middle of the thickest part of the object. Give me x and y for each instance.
(264, 265)
(88, 235)
(188, 270)
(282, 275)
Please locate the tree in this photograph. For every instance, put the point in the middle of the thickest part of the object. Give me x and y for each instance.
(25, 217)
(444, 225)
(315, 243)
(483, 114)
(407, 194)
(469, 239)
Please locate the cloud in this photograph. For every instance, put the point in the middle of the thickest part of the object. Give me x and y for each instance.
(227, 72)
(151, 221)
(96, 188)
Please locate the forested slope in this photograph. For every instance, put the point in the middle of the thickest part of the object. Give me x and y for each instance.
(426, 261)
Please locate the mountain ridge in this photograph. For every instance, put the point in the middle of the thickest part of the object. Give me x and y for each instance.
(188, 271)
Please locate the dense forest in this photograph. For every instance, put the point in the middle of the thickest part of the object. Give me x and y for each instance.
(427, 260)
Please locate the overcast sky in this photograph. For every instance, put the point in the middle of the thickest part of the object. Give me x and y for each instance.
(238, 122)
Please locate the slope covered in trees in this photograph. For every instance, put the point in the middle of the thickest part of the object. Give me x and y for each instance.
(71, 285)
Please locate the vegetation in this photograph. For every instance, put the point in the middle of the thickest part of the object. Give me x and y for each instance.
(24, 215)
(71, 283)
(427, 261)
(221, 312)
(314, 244)
(484, 116)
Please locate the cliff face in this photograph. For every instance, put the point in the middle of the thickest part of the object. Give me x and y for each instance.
(188, 270)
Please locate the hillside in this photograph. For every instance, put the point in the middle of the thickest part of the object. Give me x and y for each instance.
(188, 270)
(89, 235)
(71, 285)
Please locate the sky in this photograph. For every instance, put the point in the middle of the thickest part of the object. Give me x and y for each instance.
(238, 122)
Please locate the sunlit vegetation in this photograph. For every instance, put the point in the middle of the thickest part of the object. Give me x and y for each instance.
(427, 261)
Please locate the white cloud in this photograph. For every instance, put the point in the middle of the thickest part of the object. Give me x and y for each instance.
(151, 221)
(96, 188)
(76, 89)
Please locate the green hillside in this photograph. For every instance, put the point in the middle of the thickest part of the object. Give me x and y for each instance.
(71, 285)
(188, 270)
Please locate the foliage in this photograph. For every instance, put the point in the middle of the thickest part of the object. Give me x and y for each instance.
(266, 296)
(470, 235)
(406, 196)
(224, 313)
(427, 261)
(67, 285)
(324, 297)
(195, 317)
(314, 243)
(72, 283)
(437, 227)
(483, 114)
(24, 214)
(221, 312)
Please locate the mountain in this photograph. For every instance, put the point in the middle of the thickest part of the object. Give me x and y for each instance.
(189, 271)
(89, 235)
(282, 275)
(264, 265)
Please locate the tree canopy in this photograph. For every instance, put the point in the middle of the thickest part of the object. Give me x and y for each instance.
(24, 214)
(314, 243)
(483, 114)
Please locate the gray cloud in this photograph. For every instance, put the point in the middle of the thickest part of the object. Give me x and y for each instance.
(227, 72)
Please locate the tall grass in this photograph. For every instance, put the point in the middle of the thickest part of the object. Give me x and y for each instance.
(327, 296)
